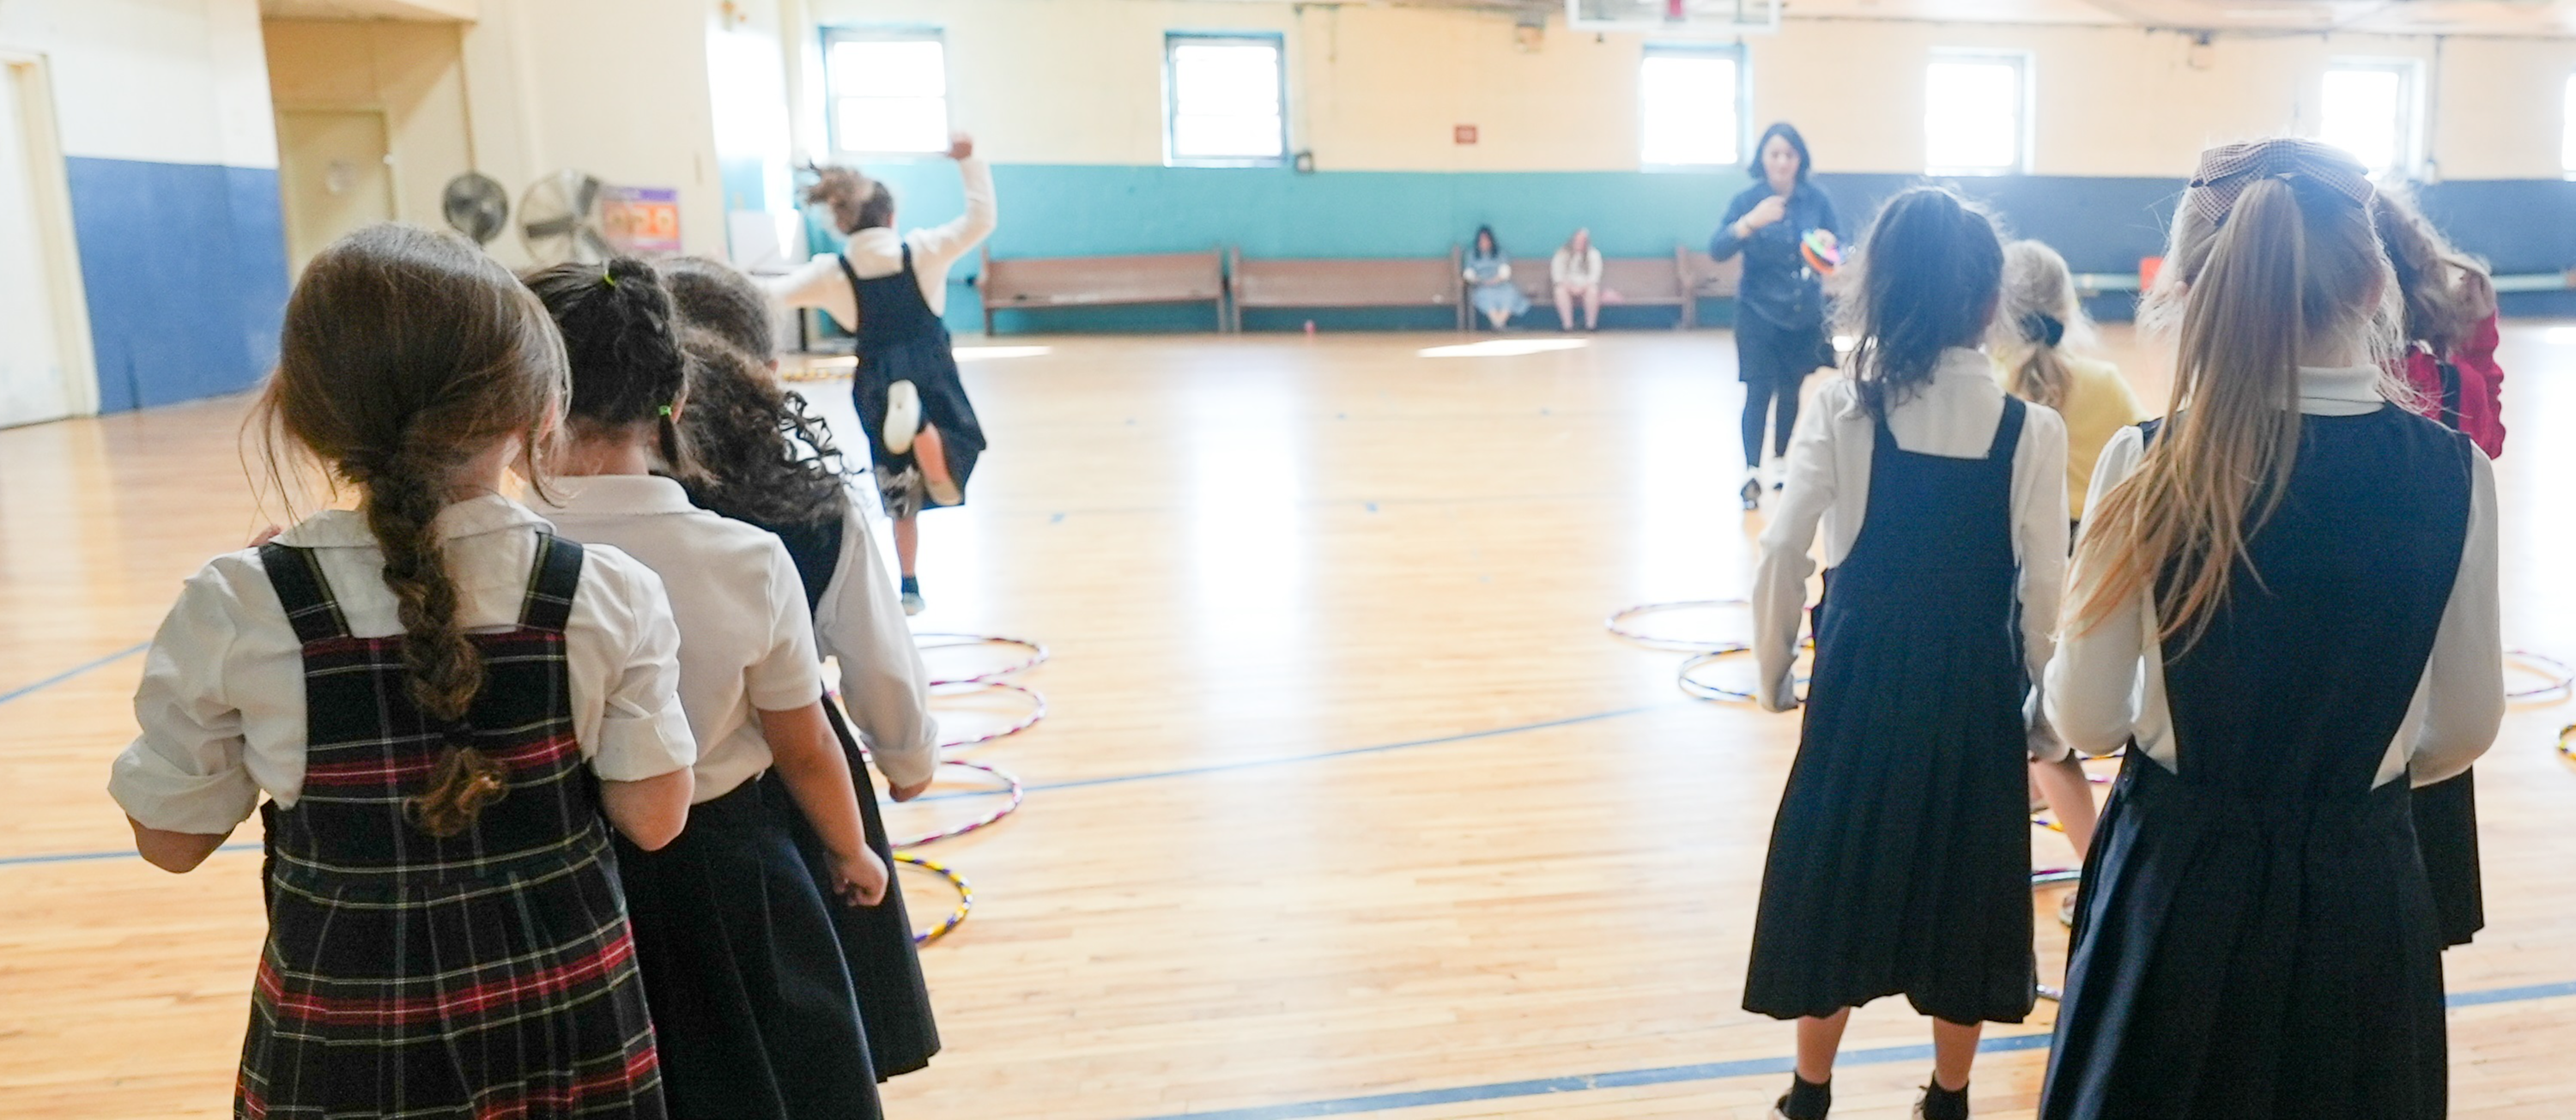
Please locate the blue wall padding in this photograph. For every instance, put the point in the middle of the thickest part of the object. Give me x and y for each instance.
(2100, 224)
(185, 270)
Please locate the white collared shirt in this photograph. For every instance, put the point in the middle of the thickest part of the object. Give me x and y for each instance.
(2108, 683)
(221, 704)
(1953, 415)
(879, 252)
(1565, 268)
(746, 642)
(859, 623)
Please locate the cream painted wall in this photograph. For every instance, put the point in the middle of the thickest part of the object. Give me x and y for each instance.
(1379, 88)
(616, 88)
(165, 81)
(409, 71)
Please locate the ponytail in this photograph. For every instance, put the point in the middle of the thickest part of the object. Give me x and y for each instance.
(2290, 263)
(2035, 315)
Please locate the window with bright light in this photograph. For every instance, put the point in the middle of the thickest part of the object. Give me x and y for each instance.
(2368, 109)
(1976, 114)
(2567, 142)
(1690, 110)
(888, 91)
(1226, 100)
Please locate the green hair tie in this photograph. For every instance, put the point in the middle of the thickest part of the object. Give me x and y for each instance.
(666, 412)
(608, 278)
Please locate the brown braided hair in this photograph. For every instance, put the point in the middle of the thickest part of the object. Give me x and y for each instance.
(405, 354)
(622, 337)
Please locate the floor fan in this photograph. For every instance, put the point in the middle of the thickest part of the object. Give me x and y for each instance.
(559, 220)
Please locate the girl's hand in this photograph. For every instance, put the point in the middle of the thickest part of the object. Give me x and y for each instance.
(907, 793)
(265, 535)
(858, 879)
(961, 146)
(1765, 212)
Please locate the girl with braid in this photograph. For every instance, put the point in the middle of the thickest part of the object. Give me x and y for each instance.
(417, 687)
(750, 991)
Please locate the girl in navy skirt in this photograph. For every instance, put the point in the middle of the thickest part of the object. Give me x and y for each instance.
(1900, 859)
(425, 689)
(2286, 609)
(772, 463)
(751, 995)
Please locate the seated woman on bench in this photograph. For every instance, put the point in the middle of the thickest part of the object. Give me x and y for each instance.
(1576, 272)
(1489, 280)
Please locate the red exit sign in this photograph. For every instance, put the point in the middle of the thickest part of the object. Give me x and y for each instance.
(1465, 133)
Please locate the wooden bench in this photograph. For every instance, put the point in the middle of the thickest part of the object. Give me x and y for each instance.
(1707, 278)
(1038, 283)
(1347, 282)
(1625, 282)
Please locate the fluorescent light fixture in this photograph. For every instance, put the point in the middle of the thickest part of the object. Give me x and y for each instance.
(1504, 348)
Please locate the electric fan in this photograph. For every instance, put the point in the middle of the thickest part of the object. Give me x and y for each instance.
(559, 220)
(476, 206)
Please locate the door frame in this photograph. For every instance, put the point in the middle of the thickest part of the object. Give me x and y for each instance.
(384, 118)
(50, 180)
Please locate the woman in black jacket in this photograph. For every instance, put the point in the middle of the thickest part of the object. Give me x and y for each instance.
(1779, 305)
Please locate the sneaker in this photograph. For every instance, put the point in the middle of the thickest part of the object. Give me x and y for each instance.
(1775, 472)
(903, 416)
(1752, 491)
(2066, 910)
(1817, 1102)
(913, 603)
(1955, 1107)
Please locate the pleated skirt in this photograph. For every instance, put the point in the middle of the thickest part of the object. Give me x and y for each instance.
(2250, 957)
(751, 999)
(1900, 858)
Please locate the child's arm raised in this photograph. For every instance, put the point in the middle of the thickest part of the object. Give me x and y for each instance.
(808, 758)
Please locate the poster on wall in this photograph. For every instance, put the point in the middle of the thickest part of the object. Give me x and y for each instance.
(644, 221)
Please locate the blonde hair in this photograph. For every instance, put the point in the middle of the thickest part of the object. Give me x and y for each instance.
(2036, 317)
(2293, 267)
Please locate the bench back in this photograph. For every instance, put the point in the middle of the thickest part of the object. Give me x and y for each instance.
(1712, 278)
(1347, 282)
(1025, 282)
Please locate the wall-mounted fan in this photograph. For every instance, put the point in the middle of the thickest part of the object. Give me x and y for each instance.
(476, 205)
(559, 219)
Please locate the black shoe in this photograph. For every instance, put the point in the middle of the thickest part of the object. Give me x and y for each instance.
(1752, 494)
(1804, 1100)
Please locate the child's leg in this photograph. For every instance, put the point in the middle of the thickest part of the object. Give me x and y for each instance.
(1818, 1041)
(931, 453)
(1564, 307)
(1954, 1049)
(907, 541)
(2070, 796)
(1592, 307)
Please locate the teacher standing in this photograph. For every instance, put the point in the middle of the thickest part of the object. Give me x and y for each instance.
(1780, 304)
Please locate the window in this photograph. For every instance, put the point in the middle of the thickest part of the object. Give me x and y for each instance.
(2567, 141)
(888, 91)
(1976, 114)
(1690, 107)
(1226, 100)
(2368, 109)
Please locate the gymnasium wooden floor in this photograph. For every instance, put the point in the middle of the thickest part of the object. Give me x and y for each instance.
(1347, 805)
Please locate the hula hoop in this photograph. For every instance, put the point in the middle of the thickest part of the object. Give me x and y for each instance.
(1617, 622)
(2055, 876)
(2567, 742)
(1037, 654)
(965, 897)
(1698, 689)
(2052, 994)
(1011, 789)
(2561, 678)
(1037, 711)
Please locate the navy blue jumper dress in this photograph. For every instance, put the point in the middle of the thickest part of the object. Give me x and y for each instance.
(901, 339)
(1900, 859)
(2255, 935)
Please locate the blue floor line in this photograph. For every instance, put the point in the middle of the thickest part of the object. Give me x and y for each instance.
(74, 671)
(1707, 1071)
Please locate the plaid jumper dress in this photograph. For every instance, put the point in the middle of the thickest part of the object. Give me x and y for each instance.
(488, 975)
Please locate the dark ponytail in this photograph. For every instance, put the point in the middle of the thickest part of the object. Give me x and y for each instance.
(1930, 270)
(405, 354)
(623, 339)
